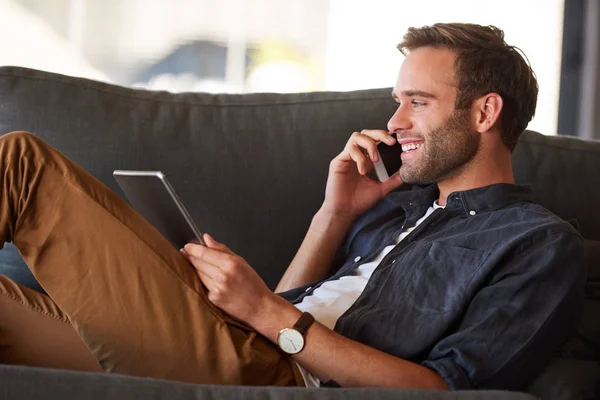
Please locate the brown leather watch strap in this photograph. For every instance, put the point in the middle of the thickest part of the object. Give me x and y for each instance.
(304, 322)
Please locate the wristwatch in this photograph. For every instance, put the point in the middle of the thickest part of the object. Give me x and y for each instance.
(291, 340)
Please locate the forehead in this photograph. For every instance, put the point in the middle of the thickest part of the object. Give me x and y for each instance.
(428, 69)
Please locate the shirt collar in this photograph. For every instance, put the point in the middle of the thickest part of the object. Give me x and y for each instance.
(470, 202)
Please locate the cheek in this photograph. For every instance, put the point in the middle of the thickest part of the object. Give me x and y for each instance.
(428, 121)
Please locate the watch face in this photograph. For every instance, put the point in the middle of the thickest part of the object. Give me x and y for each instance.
(290, 340)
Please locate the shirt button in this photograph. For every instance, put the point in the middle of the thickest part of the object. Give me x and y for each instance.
(357, 259)
(393, 261)
(472, 212)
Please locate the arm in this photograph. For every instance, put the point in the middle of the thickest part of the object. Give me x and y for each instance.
(349, 193)
(313, 260)
(235, 287)
(509, 331)
(330, 356)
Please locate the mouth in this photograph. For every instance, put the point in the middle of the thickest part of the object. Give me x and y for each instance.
(411, 146)
(411, 150)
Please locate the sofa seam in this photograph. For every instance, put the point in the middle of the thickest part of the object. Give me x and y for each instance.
(558, 146)
(140, 96)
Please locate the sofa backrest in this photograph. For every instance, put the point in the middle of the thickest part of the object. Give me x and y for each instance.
(565, 173)
(252, 168)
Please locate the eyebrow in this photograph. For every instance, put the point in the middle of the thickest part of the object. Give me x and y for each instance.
(415, 93)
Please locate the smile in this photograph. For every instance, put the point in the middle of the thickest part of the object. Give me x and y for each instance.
(411, 146)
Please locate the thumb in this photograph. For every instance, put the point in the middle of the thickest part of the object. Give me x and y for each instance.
(393, 183)
(213, 244)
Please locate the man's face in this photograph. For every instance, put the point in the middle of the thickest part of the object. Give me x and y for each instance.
(437, 139)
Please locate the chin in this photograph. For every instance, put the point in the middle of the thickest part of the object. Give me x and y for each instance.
(415, 179)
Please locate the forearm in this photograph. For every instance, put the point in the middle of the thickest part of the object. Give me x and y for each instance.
(329, 355)
(314, 257)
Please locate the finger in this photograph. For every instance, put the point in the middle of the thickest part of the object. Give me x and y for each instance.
(206, 279)
(379, 135)
(206, 272)
(184, 254)
(359, 158)
(213, 244)
(394, 182)
(215, 257)
(207, 269)
(369, 145)
(369, 167)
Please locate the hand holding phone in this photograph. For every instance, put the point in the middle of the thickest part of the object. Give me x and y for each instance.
(389, 161)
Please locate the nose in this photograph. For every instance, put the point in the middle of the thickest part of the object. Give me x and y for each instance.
(400, 121)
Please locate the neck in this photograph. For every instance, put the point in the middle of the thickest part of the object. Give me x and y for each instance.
(487, 168)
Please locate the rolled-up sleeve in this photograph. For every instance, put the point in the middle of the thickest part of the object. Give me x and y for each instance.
(515, 323)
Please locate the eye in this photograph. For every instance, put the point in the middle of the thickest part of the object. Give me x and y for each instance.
(396, 104)
(417, 103)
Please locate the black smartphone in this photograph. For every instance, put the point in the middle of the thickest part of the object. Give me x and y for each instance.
(389, 162)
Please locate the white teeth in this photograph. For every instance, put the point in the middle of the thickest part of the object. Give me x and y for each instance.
(412, 146)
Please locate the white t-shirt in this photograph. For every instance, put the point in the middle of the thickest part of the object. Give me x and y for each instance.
(333, 298)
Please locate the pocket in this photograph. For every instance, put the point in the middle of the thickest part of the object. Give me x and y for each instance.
(439, 284)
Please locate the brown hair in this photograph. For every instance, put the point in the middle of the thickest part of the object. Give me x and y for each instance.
(484, 64)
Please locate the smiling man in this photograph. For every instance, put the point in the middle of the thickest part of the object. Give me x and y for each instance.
(459, 282)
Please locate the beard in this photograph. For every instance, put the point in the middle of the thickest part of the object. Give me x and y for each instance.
(448, 148)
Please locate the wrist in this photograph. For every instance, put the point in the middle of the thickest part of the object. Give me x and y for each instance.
(325, 220)
(276, 313)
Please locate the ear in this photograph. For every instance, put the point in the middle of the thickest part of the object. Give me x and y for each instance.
(486, 110)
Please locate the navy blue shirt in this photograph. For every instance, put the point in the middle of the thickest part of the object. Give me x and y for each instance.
(484, 291)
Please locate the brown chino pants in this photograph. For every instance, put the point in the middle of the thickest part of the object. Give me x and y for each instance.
(120, 297)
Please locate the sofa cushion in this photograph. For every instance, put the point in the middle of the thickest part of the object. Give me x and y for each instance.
(569, 380)
(13, 266)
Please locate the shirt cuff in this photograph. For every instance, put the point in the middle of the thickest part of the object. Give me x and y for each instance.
(454, 375)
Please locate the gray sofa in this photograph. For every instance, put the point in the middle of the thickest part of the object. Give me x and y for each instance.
(252, 170)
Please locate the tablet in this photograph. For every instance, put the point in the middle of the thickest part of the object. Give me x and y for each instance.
(151, 194)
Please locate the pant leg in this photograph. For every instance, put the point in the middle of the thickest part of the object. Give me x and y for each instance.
(34, 332)
(132, 298)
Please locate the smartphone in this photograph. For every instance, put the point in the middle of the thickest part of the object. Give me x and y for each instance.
(151, 194)
(389, 162)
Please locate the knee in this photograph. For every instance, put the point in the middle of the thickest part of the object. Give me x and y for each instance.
(18, 143)
(17, 135)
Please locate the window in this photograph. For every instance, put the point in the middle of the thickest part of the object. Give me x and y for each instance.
(261, 45)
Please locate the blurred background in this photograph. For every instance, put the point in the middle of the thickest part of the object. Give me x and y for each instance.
(240, 46)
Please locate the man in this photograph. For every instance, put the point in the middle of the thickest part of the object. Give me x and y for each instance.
(461, 282)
